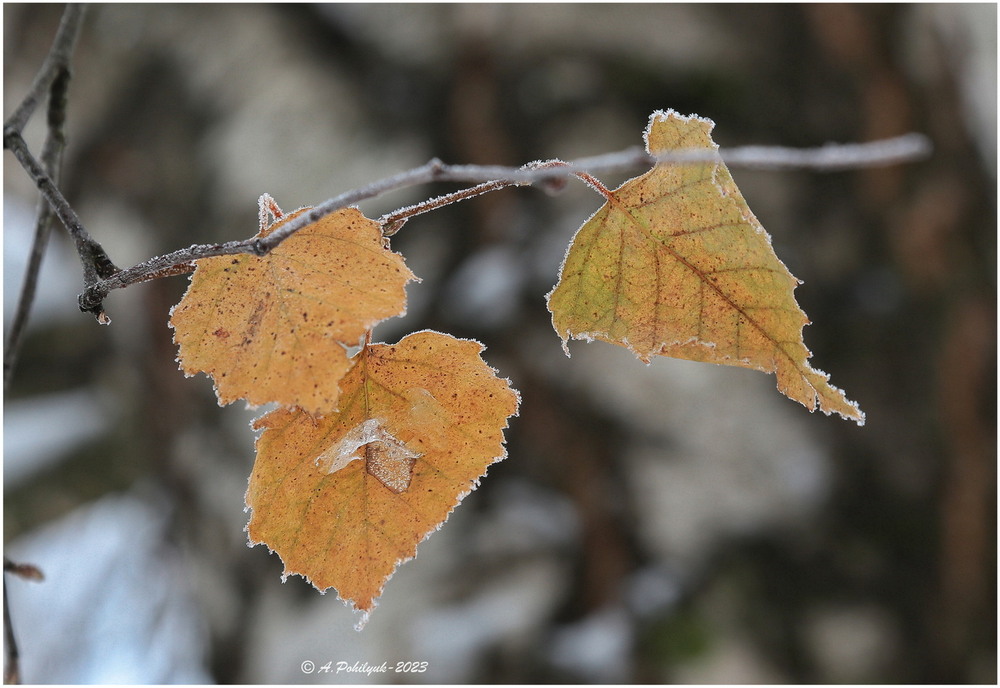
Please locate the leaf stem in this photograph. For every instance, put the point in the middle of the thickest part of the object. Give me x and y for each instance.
(586, 177)
(394, 221)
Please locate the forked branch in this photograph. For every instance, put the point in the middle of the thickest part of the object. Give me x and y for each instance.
(52, 79)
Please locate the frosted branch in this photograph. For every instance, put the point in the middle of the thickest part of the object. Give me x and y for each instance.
(826, 158)
(53, 78)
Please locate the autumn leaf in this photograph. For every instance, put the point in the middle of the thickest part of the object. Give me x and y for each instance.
(676, 264)
(274, 328)
(345, 498)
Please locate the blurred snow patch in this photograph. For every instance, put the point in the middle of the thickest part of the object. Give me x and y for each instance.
(509, 611)
(113, 607)
(38, 431)
(852, 644)
(424, 615)
(484, 290)
(652, 589)
(527, 518)
(692, 502)
(60, 279)
(598, 649)
(718, 452)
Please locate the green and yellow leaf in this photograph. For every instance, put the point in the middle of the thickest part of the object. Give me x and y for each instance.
(675, 264)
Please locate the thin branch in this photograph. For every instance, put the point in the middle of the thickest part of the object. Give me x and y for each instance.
(12, 663)
(96, 264)
(830, 157)
(394, 221)
(92, 297)
(54, 77)
(28, 572)
(12, 657)
(52, 149)
(57, 59)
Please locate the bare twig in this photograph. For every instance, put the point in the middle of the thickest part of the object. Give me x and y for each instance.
(11, 665)
(53, 77)
(12, 657)
(829, 157)
(57, 60)
(28, 572)
(96, 264)
(832, 157)
(888, 151)
(394, 221)
(52, 149)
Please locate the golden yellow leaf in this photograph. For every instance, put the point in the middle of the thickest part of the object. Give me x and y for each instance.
(345, 498)
(274, 328)
(676, 264)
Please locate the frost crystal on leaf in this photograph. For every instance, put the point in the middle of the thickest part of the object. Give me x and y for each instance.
(385, 456)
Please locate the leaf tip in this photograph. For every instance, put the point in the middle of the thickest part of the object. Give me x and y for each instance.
(853, 410)
(363, 621)
(665, 115)
(823, 396)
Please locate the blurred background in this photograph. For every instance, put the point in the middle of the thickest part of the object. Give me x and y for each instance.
(677, 523)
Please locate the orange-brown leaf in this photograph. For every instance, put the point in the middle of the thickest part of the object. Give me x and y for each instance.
(274, 328)
(676, 264)
(345, 498)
